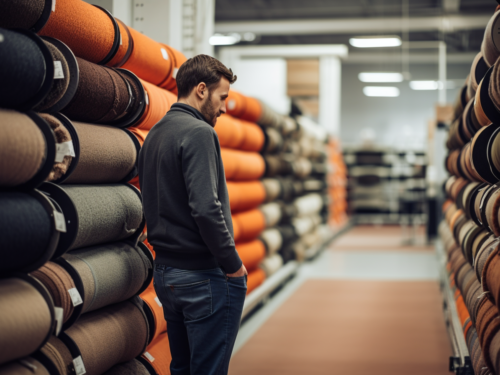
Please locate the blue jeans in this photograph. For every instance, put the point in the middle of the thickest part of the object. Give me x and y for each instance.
(203, 312)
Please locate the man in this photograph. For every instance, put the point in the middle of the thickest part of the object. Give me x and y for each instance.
(199, 277)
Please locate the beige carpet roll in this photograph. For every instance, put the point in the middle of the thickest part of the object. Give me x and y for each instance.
(308, 204)
(271, 264)
(272, 213)
(273, 189)
(60, 356)
(24, 366)
(492, 212)
(491, 43)
(25, 319)
(272, 239)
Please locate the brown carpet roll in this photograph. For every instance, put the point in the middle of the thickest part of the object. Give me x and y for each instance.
(109, 336)
(490, 277)
(495, 150)
(473, 299)
(477, 243)
(58, 282)
(133, 367)
(61, 79)
(60, 356)
(489, 48)
(482, 256)
(464, 230)
(107, 155)
(22, 148)
(24, 366)
(62, 136)
(25, 319)
(491, 344)
(110, 273)
(22, 14)
(492, 212)
(494, 88)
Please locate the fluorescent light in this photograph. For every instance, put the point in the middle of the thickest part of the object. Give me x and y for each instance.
(249, 37)
(385, 91)
(380, 77)
(224, 40)
(424, 85)
(375, 41)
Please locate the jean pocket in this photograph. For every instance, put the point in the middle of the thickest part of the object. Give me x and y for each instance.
(194, 299)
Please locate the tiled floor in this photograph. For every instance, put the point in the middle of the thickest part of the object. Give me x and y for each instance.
(361, 307)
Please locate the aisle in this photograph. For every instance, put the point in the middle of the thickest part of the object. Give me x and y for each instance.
(366, 306)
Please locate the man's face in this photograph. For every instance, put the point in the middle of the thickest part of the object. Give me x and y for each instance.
(215, 103)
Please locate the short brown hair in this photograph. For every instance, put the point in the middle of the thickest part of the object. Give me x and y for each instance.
(201, 68)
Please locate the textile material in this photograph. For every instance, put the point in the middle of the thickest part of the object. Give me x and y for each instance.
(255, 279)
(110, 273)
(102, 339)
(151, 300)
(133, 367)
(106, 213)
(59, 354)
(184, 193)
(107, 155)
(25, 319)
(244, 107)
(24, 366)
(251, 253)
(160, 101)
(242, 165)
(203, 311)
(158, 354)
(22, 148)
(250, 224)
(239, 134)
(21, 14)
(245, 195)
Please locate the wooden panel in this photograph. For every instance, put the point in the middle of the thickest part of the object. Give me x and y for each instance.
(303, 77)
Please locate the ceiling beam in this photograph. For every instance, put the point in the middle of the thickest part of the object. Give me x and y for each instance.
(415, 58)
(451, 6)
(357, 26)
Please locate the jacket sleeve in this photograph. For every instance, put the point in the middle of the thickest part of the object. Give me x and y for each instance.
(200, 166)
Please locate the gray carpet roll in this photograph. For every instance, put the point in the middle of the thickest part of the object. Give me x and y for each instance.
(106, 213)
(133, 367)
(110, 273)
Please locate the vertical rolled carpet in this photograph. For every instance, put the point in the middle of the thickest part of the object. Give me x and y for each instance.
(111, 335)
(26, 317)
(24, 366)
(110, 273)
(107, 155)
(255, 278)
(245, 195)
(158, 355)
(241, 165)
(133, 367)
(251, 253)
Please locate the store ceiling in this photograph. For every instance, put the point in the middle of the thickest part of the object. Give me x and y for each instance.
(465, 37)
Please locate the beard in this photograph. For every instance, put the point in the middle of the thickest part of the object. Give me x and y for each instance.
(209, 112)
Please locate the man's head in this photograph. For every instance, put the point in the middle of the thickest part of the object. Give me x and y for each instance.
(203, 82)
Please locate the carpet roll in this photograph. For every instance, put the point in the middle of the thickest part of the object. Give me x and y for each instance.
(26, 318)
(178, 59)
(63, 138)
(110, 273)
(26, 69)
(28, 236)
(494, 87)
(22, 14)
(133, 367)
(490, 279)
(239, 134)
(308, 204)
(90, 32)
(102, 340)
(24, 366)
(273, 188)
(245, 195)
(107, 155)
(272, 213)
(157, 322)
(255, 279)
(125, 47)
(274, 141)
(242, 165)
(157, 356)
(489, 48)
(272, 239)
(302, 168)
(487, 248)
(477, 72)
(478, 241)
(243, 107)
(58, 283)
(59, 355)
(482, 117)
(271, 264)
(141, 137)
(158, 103)
(495, 153)
(250, 224)
(251, 253)
(149, 59)
(492, 212)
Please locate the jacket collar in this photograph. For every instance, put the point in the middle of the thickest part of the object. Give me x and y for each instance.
(181, 107)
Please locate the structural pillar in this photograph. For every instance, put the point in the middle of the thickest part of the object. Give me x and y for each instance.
(329, 94)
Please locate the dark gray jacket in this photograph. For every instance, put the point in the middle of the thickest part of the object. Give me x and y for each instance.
(185, 195)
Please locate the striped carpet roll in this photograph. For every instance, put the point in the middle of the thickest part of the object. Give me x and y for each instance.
(242, 165)
(59, 355)
(102, 340)
(272, 239)
(271, 264)
(273, 188)
(158, 103)
(110, 273)
(154, 311)
(272, 213)
(24, 366)
(58, 283)
(250, 224)
(90, 32)
(26, 317)
(255, 279)
(243, 107)
(251, 253)
(133, 367)
(245, 195)
(157, 356)
(107, 155)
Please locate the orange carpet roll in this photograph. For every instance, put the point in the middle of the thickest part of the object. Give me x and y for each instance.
(239, 134)
(149, 59)
(151, 299)
(251, 253)
(158, 355)
(90, 32)
(254, 138)
(255, 279)
(241, 165)
(125, 47)
(250, 225)
(158, 103)
(243, 107)
(178, 59)
(245, 195)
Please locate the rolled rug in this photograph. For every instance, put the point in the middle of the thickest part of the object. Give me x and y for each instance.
(272, 214)
(158, 103)
(178, 59)
(477, 72)
(245, 195)
(255, 279)
(59, 356)
(229, 131)
(242, 165)
(271, 264)
(24, 366)
(490, 281)
(26, 317)
(269, 118)
(102, 340)
(154, 312)
(489, 246)
(489, 48)
(25, 14)
(250, 224)
(244, 107)
(492, 211)
(157, 357)
(110, 273)
(308, 204)
(272, 240)
(251, 253)
(275, 141)
(495, 152)
(125, 47)
(133, 367)
(491, 345)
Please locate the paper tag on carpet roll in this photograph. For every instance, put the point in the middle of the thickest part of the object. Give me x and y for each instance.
(59, 313)
(121, 40)
(60, 221)
(58, 70)
(75, 296)
(174, 74)
(157, 300)
(149, 356)
(64, 149)
(147, 97)
(53, 5)
(164, 53)
(79, 366)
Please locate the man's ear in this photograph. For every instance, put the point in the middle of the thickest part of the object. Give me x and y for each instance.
(201, 90)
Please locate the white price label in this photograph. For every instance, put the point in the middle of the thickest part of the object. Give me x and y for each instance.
(58, 70)
(164, 53)
(75, 296)
(53, 5)
(60, 221)
(59, 312)
(149, 356)
(174, 74)
(147, 97)
(157, 300)
(64, 149)
(79, 366)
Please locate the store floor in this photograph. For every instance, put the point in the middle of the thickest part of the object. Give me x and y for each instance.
(364, 306)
